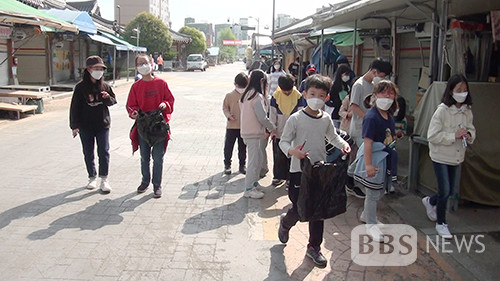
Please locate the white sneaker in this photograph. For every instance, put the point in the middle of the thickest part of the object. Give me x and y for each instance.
(92, 183)
(253, 193)
(375, 233)
(256, 185)
(105, 187)
(442, 230)
(431, 211)
(362, 218)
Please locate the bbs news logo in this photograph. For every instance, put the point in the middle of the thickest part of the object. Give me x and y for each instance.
(398, 249)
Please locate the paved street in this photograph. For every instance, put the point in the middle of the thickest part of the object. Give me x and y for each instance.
(52, 228)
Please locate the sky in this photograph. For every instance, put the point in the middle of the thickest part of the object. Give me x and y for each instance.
(220, 11)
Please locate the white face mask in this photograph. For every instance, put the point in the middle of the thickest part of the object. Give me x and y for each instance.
(277, 66)
(240, 90)
(144, 69)
(315, 103)
(376, 80)
(384, 103)
(345, 78)
(97, 74)
(460, 97)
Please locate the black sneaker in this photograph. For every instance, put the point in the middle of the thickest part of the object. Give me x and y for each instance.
(315, 254)
(157, 191)
(355, 191)
(243, 170)
(277, 182)
(282, 231)
(142, 187)
(227, 170)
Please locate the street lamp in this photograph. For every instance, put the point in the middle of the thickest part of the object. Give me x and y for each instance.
(258, 31)
(119, 16)
(138, 33)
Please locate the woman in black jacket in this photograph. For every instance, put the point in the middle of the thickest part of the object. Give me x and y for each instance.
(340, 89)
(89, 117)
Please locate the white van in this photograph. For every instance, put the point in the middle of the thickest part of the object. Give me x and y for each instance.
(196, 61)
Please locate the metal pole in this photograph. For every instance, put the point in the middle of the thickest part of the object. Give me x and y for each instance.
(128, 62)
(321, 66)
(272, 33)
(442, 38)
(354, 46)
(258, 32)
(114, 65)
(393, 50)
(432, 57)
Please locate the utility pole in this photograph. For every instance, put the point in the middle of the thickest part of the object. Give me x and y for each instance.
(272, 32)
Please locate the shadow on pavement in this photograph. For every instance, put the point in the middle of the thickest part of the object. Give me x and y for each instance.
(42, 205)
(301, 272)
(216, 186)
(105, 212)
(277, 267)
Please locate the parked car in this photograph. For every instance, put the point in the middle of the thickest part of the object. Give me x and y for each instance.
(196, 61)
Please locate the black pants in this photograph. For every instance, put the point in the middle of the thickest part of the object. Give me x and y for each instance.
(231, 136)
(281, 166)
(292, 216)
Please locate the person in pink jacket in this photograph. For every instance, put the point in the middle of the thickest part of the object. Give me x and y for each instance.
(148, 94)
(254, 122)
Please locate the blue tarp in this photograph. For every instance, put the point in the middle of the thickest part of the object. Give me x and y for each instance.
(330, 55)
(81, 19)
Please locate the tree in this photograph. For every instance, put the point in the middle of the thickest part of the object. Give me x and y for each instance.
(153, 34)
(198, 44)
(226, 52)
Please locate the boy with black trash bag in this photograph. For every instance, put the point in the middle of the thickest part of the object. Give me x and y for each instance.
(303, 140)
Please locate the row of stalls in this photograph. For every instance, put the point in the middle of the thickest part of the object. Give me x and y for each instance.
(49, 47)
(426, 41)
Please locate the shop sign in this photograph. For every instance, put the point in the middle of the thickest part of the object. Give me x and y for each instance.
(5, 32)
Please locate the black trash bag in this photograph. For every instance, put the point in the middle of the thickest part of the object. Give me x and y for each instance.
(330, 148)
(151, 126)
(322, 189)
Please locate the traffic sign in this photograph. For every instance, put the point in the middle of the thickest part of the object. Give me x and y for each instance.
(244, 27)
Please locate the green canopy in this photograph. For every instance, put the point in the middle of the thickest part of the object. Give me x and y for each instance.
(12, 11)
(345, 39)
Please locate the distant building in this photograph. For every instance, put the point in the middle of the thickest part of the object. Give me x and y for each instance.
(188, 20)
(283, 20)
(129, 9)
(207, 29)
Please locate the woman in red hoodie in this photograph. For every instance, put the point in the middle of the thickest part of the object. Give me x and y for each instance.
(147, 94)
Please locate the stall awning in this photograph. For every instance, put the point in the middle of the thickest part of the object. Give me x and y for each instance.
(12, 11)
(80, 19)
(121, 45)
(373, 14)
(101, 39)
(340, 37)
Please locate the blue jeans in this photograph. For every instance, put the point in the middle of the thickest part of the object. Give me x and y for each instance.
(102, 137)
(158, 151)
(446, 176)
